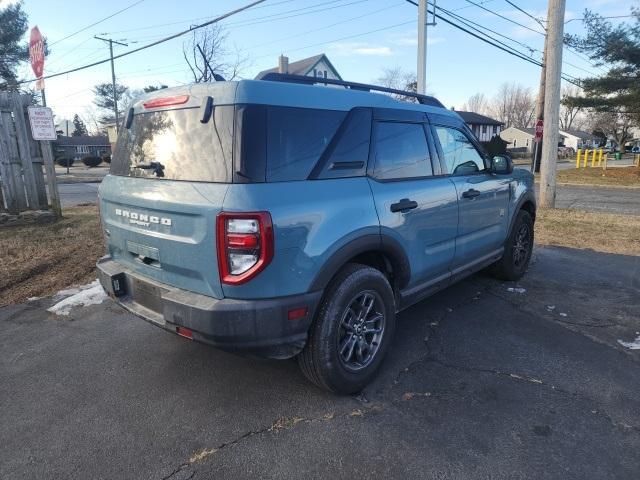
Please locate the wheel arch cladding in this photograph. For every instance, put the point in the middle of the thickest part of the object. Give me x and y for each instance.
(380, 252)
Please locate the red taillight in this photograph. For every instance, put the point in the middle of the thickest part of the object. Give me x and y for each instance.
(166, 101)
(297, 313)
(244, 244)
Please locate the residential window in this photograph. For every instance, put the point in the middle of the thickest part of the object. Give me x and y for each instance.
(82, 149)
(484, 129)
(496, 129)
(401, 151)
(460, 155)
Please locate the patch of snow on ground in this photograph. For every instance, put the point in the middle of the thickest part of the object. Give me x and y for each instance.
(516, 290)
(635, 345)
(91, 294)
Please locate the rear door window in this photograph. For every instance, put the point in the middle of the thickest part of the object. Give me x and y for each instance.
(401, 151)
(296, 138)
(175, 145)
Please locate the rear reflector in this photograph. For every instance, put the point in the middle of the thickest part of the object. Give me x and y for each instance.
(184, 332)
(166, 101)
(297, 313)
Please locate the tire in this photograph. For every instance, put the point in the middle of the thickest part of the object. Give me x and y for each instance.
(337, 325)
(517, 250)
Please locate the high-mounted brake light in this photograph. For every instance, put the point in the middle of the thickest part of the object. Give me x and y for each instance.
(244, 244)
(166, 101)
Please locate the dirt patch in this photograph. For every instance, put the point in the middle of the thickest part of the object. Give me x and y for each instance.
(601, 232)
(39, 260)
(615, 176)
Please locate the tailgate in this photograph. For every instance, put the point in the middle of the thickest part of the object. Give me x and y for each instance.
(165, 230)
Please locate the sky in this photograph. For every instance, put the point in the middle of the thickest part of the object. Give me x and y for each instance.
(360, 37)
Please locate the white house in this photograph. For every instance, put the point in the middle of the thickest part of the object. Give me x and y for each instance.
(484, 128)
(316, 66)
(578, 139)
(522, 139)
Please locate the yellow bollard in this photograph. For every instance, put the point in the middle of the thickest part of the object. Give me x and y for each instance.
(578, 153)
(593, 158)
(585, 158)
(599, 157)
(637, 160)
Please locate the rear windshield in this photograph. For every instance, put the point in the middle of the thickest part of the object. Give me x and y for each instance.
(175, 145)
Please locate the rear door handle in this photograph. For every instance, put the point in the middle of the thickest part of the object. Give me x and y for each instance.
(404, 205)
(470, 193)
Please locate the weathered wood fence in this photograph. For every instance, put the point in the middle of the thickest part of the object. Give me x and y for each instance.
(27, 172)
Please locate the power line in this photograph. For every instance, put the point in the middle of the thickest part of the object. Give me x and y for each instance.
(96, 23)
(504, 18)
(152, 44)
(537, 20)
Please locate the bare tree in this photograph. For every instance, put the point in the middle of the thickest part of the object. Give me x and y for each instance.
(617, 126)
(569, 109)
(477, 103)
(209, 58)
(514, 105)
(399, 79)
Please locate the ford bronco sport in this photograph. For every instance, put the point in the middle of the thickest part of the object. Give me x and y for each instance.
(281, 218)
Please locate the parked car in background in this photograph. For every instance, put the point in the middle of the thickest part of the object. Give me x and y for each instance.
(282, 219)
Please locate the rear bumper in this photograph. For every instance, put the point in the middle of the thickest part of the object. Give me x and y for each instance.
(255, 327)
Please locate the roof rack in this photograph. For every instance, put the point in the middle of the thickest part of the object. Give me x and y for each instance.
(290, 78)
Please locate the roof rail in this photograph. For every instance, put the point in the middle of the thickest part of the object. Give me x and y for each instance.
(290, 78)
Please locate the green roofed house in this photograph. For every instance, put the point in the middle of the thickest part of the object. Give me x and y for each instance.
(316, 66)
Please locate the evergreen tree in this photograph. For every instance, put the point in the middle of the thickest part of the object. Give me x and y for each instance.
(104, 99)
(615, 96)
(13, 25)
(80, 128)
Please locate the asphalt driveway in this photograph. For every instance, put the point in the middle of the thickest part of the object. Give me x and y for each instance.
(482, 382)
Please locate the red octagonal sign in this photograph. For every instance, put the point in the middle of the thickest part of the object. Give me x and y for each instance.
(539, 128)
(36, 52)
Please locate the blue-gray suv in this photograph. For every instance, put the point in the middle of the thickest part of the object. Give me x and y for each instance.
(282, 218)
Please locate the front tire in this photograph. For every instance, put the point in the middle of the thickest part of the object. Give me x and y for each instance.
(352, 331)
(517, 250)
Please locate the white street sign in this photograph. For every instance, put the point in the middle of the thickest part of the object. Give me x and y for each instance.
(41, 120)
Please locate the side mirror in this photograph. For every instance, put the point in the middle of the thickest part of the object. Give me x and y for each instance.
(501, 164)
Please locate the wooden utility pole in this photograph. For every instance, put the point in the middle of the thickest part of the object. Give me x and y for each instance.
(539, 114)
(113, 76)
(554, 42)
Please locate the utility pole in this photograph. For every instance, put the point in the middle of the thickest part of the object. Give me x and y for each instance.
(423, 22)
(554, 42)
(539, 114)
(113, 76)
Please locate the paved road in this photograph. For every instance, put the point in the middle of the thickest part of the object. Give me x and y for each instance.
(480, 383)
(78, 193)
(596, 199)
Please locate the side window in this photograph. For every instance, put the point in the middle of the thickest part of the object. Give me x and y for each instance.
(296, 137)
(401, 151)
(460, 156)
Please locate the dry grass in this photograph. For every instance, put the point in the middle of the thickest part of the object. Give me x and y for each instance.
(39, 260)
(602, 232)
(617, 176)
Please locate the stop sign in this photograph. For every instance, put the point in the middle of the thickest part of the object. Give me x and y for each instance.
(36, 52)
(539, 128)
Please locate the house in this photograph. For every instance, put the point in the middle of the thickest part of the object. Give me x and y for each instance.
(316, 66)
(484, 128)
(81, 147)
(578, 139)
(522, 139)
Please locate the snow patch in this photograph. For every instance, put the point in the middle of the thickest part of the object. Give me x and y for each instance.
(635, 345)
(516, 290)
(91, 294)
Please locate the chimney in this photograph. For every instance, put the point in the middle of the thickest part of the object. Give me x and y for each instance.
(283, 64)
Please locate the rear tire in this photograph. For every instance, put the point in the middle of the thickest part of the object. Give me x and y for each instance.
(517, 250)
(351, 332)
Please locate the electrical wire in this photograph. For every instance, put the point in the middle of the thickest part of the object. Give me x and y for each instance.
(152, 44)
(504, 18)
(537, 20)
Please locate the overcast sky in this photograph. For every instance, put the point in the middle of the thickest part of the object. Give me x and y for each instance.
(360, 37)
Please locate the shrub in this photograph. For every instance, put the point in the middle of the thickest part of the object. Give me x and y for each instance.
(64, 161)
(106, 158)
(92, 161)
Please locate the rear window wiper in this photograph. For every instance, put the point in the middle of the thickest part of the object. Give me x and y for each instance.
(157, 168)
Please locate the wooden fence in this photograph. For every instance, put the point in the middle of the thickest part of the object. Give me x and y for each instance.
(27, 172)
